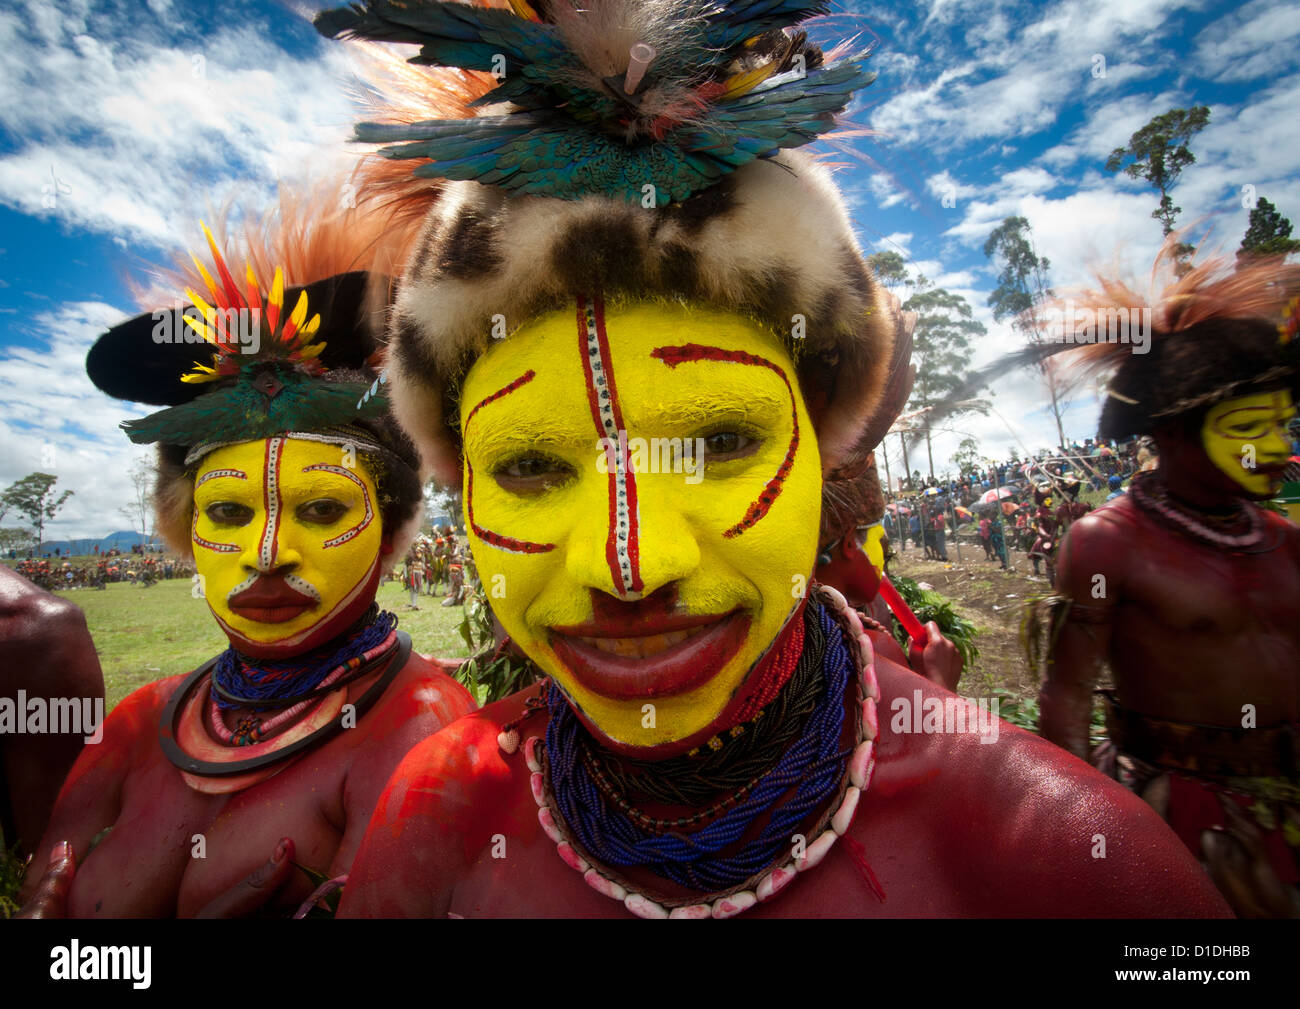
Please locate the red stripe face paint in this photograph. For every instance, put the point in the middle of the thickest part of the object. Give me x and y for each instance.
(622, 546)
(655, 587)
(673, 356)
(269, 545)
(506, 543)
(361, 526)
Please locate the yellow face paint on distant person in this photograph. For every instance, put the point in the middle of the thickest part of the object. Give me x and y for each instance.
(874, 547)
(608, 561)
(287, 540)
(1246, 438)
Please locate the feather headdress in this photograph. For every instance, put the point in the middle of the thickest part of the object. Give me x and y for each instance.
(626, 99)
(1173, 346)
(241, 362)
(639, 149)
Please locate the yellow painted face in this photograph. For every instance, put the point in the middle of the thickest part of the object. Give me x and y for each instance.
(874, 547)
(1246, 438)
(287, 541)
(642, 496)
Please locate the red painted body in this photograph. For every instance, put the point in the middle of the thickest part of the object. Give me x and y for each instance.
(322, 801)
(950, 827)
(46, 650)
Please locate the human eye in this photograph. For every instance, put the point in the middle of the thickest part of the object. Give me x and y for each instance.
(725, 443)
(229, 513)
(532, 473)
(322, 511)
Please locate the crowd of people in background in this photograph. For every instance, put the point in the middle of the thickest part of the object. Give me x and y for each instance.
(1021, 504)
(434, 560)
(95, 572)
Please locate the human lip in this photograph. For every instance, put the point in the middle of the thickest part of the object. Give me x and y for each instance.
(270, 601)
(634, 660)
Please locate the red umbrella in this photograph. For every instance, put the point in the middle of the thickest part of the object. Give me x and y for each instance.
(993, 495)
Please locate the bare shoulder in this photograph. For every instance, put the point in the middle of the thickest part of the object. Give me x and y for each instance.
(439, 810)
(423, 691)
(461, 762)
(28, 612)
(1105, 525)
(1040, 831)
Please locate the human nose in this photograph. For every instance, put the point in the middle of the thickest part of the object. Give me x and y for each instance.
(639, 544)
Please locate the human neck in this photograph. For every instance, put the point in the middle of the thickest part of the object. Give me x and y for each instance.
(1189, 490)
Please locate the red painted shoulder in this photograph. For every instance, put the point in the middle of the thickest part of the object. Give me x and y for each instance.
(448, 797)
(1037, 831)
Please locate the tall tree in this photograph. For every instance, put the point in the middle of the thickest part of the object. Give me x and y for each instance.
(1158, 154)
(138, 510)
(967, 456)
(14, 539)
(1020, 296)
(941, 350)
(889, 268)
(1268, 234)
(33, 496)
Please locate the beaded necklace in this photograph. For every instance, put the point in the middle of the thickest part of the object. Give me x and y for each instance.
(1152, 496)
(239, 681)
(252, 729)
(573, 812)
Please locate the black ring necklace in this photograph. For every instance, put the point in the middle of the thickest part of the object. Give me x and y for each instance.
(213, 769)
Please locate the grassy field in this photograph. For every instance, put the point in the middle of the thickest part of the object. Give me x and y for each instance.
(143, 635)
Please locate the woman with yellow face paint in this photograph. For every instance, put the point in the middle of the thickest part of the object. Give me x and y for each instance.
(280, 470)
(1186, 588)
(638, 341)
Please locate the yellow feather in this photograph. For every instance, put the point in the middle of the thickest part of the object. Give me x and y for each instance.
(311, 327)
(312, 350)
(207, 277)
(252, 277)
(299, 310)
(201, 328)
(208, 311)
(201, 373)
(747, 80)
(277, 289)
(212, 242)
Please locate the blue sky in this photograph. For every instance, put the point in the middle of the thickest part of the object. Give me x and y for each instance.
(122, 122)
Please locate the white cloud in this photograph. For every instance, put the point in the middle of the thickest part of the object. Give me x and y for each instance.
(1011, 84)
(898, 241)
(144, 127)
(53, 420)
(1257, 40)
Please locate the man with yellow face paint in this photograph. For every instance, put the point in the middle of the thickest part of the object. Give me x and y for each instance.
(234, 789)
(1187, 590)
(639, 342)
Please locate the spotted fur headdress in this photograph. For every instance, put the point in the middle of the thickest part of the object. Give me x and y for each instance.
(640, 148)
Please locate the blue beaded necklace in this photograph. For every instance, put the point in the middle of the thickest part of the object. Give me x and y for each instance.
(240, 676)
(814, 765)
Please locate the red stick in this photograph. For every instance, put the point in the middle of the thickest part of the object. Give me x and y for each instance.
(920, 637)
